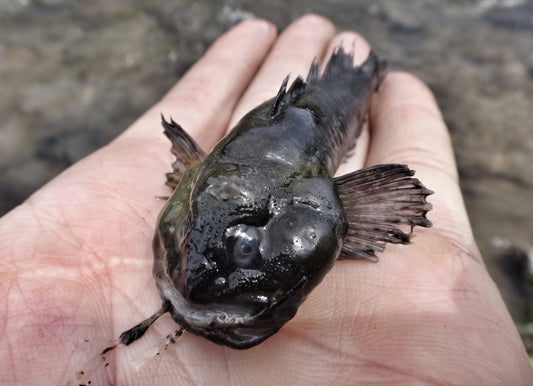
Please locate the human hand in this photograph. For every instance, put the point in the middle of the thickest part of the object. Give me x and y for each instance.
(77, 258)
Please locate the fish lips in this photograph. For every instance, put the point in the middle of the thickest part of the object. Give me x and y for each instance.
(258, 325)
(250, 332)
(239, 325)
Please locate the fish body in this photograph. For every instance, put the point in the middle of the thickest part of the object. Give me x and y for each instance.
(252, 228)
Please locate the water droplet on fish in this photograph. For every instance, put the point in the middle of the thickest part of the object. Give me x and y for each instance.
(220, 281)
(224, 196)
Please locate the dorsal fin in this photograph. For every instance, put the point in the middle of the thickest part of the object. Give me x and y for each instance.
(279, 97)
(376, 201)
(285, 97)
(314, 71)
(297, 88)
(188, 153)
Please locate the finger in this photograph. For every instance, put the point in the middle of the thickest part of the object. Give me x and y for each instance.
(294, 51)
(203, 100)
(407, 127)
(354, 43)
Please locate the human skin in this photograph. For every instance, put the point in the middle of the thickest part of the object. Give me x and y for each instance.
(76, 256)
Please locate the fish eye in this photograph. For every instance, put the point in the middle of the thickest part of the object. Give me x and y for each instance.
(246, 245)
(244, 242)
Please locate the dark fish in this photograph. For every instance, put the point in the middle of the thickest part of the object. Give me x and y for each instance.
(254, 226)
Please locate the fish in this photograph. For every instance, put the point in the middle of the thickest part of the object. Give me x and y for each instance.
(253, 227)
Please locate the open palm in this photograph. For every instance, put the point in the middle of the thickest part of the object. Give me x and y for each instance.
(76, 256)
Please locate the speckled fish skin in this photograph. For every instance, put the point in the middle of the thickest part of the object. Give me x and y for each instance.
(255, 225)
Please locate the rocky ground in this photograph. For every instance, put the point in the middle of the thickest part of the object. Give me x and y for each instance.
(74, 74)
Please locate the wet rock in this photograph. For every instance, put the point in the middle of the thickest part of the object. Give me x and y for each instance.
(518, 17)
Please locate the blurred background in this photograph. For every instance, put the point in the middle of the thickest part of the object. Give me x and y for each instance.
(76, 73)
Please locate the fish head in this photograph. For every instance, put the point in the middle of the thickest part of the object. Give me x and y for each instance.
(244, 258)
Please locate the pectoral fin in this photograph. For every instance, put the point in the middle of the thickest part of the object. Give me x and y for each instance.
(377, 200)
(188, 153)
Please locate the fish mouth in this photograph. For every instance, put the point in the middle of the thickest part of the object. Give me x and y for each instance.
(240, 338)
(240, 325)
(243, 327)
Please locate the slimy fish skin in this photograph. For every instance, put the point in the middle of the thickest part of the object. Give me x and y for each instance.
(252, 228)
